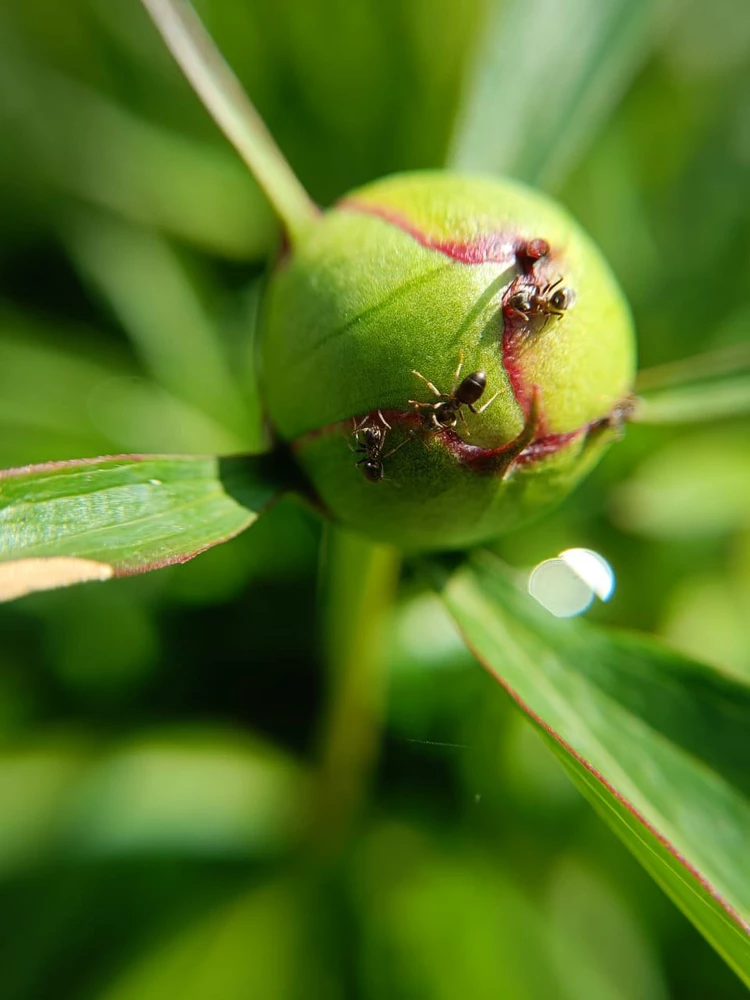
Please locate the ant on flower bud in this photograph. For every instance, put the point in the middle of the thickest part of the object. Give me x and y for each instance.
(371, 446)
(530, 301)
(444, 413)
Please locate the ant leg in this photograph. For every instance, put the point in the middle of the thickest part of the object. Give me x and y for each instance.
(462, 415)
(458, 370)
(420, 437)
(383, 421)
(359, 449)
(427, 382)
(512, 313)
(485, 405)
(401, 445)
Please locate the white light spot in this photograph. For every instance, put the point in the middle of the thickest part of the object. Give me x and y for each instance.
(557, 588)
(593, 569)
(566, 586)
(155, 482)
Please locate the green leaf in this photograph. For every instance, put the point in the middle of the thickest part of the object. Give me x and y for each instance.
(151, 292)
(707, 387)
(543, 83)
(210, 791)
(92, 519)
(695, 486)
(85, 399)
(98, 150)
(660, 745)
(452, 922)
(259, 944)
(223, 97)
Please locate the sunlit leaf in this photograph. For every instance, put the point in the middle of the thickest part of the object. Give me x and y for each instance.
(658, 743)
(223, 97)
(256, 946)
(36, 783)
(451, 922)
(203, 792)
(600, 948)
(707, 387)
(697, 485)
(91, 401)
(145, 283)
(692, 405)
(67, 522)
(102, 153)
(709, 617)
(545, 78)
(67, 374)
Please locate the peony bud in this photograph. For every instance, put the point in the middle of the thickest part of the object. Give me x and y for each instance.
(397, 286)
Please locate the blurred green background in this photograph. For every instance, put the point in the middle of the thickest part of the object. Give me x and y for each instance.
(159, 736)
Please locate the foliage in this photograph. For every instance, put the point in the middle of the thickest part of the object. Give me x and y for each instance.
(147, 847)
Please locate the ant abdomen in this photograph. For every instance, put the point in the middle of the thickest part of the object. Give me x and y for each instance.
(471, 388)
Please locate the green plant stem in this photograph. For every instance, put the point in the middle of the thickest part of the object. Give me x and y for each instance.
(357, 591)
(228, 104)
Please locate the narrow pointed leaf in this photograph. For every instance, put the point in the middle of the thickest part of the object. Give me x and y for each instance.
(230, 107)
(144, 282)
(708, 387)
(660, 745)
(68, 522)
(102, 152)
(544, 79)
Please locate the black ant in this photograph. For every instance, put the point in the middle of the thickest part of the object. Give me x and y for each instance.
(371, 447)
(447, 409)
(531, 301)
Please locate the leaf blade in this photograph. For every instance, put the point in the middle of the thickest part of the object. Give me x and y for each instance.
(538, 96)
(223, 97)
(713, 386)
(131, 513)
(657, 743)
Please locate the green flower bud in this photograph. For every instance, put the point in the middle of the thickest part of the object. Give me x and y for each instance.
(416, 274)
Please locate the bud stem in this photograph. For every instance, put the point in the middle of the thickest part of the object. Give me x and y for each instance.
(359, 587)
(230, 107)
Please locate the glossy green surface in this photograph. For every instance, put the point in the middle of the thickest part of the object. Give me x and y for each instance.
(656, 742)
(132, 513)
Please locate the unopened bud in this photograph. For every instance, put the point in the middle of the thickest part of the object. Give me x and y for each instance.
(447, 356)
